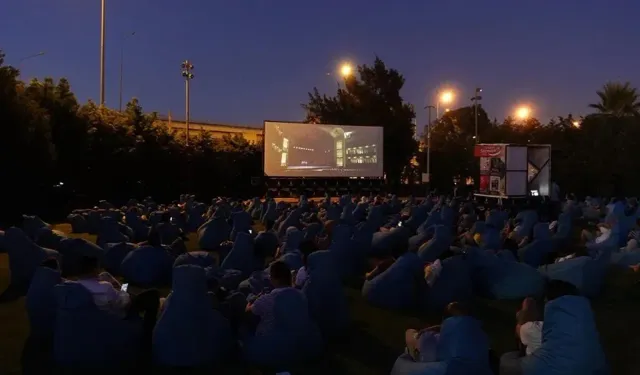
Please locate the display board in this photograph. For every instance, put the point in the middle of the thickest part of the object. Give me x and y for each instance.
(316, 150)
(508, 170)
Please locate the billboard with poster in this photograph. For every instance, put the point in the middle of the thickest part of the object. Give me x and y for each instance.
(492, 168)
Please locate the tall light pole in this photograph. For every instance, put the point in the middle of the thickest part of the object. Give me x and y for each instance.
(429, 108)
(29, 57)
(475, 100)
(187, 68)
(102, 46)
(124, 39)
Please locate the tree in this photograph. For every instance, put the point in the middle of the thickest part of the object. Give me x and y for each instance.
(617, 99)
(372, 98)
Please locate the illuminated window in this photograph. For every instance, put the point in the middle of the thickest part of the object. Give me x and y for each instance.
(339, 162)
(339, 153)
(285, 143)
(283, 160)
(339, 145)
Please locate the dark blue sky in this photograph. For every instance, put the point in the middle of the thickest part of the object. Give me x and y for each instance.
(257, 59)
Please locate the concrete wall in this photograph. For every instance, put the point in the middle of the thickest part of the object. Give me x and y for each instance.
(216, 130)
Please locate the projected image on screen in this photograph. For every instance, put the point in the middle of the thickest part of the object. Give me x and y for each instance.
(313, 150)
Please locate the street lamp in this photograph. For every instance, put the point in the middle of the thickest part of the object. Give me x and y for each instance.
(523, 113)
(346, 70)
(102, 48)
(475, 100)
(445, 97)
(187, 68)
(124, 39)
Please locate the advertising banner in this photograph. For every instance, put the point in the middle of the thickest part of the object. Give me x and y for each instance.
(492, 168)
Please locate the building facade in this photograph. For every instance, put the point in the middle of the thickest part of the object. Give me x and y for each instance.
(251, 134)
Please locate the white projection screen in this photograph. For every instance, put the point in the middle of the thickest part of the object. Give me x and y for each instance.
(293, 149)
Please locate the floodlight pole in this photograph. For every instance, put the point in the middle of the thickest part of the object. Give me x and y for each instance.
(187, 68)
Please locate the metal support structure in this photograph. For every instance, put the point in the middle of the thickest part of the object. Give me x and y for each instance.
(475, 100)
(187, 68)
(429, 108)
(102, 51)
(122, 67)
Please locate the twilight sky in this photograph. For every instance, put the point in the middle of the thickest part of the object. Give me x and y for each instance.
(256, 60)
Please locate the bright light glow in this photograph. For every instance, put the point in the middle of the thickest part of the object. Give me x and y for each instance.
(446, 97)
(523, 112)
(346, 70)
(447, 110)
(576, 123)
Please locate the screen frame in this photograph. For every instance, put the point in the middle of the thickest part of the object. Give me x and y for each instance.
(264, 139)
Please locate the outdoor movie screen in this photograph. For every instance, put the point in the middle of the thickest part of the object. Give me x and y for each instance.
(316, 150)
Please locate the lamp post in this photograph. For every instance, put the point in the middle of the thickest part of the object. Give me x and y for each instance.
(429, 108)
(187, 68)
(102, 48)
(475, 100)
(124, 39)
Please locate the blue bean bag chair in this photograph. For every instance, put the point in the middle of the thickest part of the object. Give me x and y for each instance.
(138, 226)
(147, 266)
(347, 215)
(376, 216)
(24, 257)
(266, 244)
(432, 219)
(360, 212)
(242, 222)
(73, 250)
(293, 338)
(78, 223)
(169, 232)
(417, 240)
(271, 213)
(462, 349)
(384, 242)
(361, 239)
(212, 233)
(537, 250)
(189, 332)
(41, 303)
(563, 230)
(109, 232)
(327, 302)
(201, 259)
(447, 215)
(398, 287)
(114, 255)
(87, 338)
(312, 230)
(346, 256)
(454, 284)
(49, 238)
(32, 224)
(418, 215)
(292, 240)
(527, 220)
(435, 247)
(586, 273)
(625, 258)
(292, 220)
(498, 278)
(570, 341)
(241, 257)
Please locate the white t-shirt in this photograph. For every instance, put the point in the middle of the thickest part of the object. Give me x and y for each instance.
(605, 234)
(531, 336)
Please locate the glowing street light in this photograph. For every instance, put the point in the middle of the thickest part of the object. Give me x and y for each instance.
(523, 112)
(346, 70)
(576, 123)
(446, 97)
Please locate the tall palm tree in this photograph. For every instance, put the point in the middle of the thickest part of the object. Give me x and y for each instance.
(618, 99)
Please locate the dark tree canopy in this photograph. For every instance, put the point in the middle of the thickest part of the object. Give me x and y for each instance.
(372, 98)
(617, 99)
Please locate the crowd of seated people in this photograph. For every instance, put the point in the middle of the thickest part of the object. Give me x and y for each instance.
(274, 299)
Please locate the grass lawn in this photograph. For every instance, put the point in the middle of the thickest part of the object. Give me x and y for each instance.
(377, 336)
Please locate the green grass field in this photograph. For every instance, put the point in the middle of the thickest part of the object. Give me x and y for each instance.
(377, 336)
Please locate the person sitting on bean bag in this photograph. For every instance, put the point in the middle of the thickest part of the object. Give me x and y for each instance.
(285, 334)
(570, 340)
(395, 284)
(529, 323)
(148, 265)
